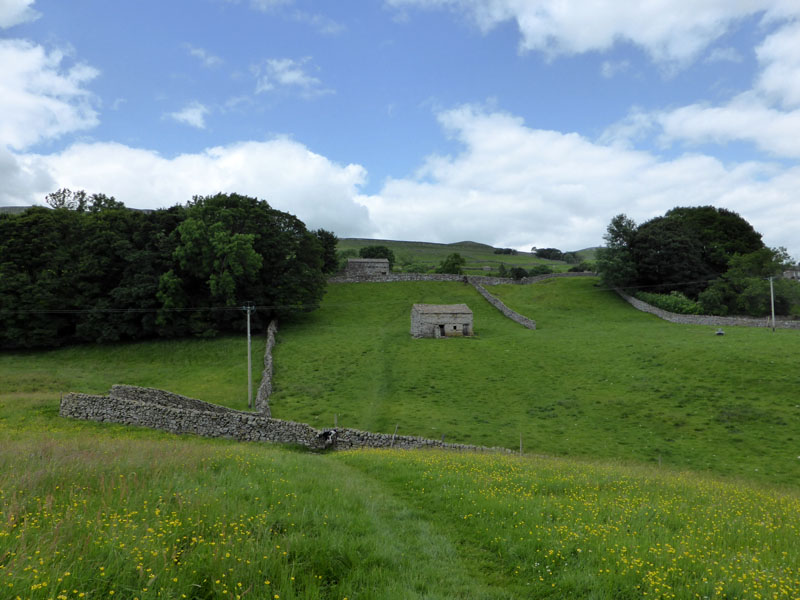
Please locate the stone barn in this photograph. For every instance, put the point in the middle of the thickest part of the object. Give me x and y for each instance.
(366, 267)
(441, 320)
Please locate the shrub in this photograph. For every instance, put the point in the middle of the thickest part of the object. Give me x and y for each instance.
(675, 302)
(583, 267)
(539, 270)
(518, 273)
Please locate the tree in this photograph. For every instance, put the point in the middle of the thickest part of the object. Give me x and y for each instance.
(744, 287)
(452, 264)
(518, 273)
(549, 253)
(683, 250)
(67, 199)
(615, 262)
(328, 241)
(377, 252)
(231, 249)
(669, 256)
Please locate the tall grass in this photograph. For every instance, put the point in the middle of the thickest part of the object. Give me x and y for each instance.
(109, 516)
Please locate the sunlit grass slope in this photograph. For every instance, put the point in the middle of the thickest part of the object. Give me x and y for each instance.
(214, 370)
(596, 379)
(97, 512)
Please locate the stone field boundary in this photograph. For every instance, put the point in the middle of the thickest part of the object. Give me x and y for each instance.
(166, 411)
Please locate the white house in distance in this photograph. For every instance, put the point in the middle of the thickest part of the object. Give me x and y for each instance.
(441, 320)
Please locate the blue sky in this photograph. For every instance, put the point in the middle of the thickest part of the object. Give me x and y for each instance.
(510, 122)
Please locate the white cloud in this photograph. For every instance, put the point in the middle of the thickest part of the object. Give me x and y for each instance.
(319, 22)
(509, 185)
(40, 99)
(14, 12)
(209, 60)
(780, 57)
(193, 114)
(609, 69)
(283, 172)
(268, 5)
(287, 73)
(746, 118)
(767, 116)
(19, 178)
(516, 187)
(727, 54)
(264, 5)
(672, 32)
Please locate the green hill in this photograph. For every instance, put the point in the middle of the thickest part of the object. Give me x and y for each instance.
(93, 510)
(596, 379)
(430, 254)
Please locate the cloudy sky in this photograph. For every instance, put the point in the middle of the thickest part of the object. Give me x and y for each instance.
(510, 122)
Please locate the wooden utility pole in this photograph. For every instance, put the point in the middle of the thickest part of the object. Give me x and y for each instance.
(249, 307)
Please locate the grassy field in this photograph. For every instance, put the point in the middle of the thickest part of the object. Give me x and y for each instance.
(214, 370)
(477, 255)
(92, 510)
(95, 511)
(596, 379)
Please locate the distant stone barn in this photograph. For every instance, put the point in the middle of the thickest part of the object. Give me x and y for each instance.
(441, 320)
(366, 267)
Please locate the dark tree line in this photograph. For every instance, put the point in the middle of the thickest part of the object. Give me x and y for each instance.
(91, 270)
(708, 255)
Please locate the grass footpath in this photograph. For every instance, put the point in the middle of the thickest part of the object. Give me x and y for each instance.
(596, 379)
(114, 516)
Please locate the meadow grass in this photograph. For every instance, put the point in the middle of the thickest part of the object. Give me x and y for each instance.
(109, 515)
(93, 510)
(596, 379)
(214, 370)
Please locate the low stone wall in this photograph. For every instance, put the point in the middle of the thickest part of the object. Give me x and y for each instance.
(480, 279)
(265, 389)
(158, 409)
(498, 304)
(706, 319)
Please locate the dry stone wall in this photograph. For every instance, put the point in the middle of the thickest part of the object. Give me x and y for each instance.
(498, 304)
(706, 319)
(265, 389)
(480, 279)
(159, 409)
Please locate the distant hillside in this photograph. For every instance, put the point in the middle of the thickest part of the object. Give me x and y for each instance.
(13, 210)
(588, 253)
(480, 257)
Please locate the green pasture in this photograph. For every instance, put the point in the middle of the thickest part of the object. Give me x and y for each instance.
(100, 512)
(596, 379)
(477, 255)
(214, 370)
(682, 479)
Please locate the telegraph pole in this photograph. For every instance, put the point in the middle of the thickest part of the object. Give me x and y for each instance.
(248, 306)
(772, 302)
